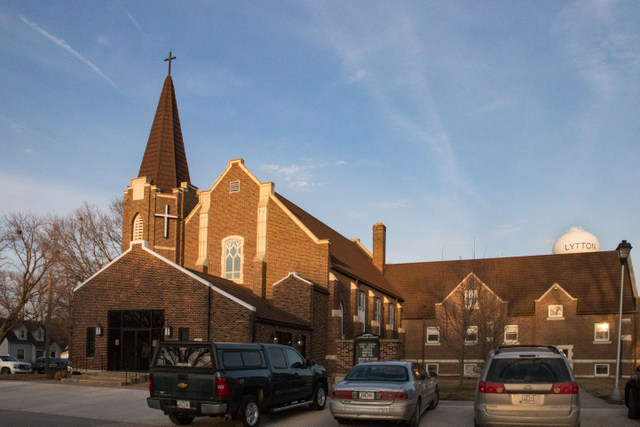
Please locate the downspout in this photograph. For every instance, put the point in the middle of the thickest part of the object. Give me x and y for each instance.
(209, 314)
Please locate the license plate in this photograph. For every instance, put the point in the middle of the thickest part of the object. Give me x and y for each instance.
(183, 404)
(368, 395)
(529, 399)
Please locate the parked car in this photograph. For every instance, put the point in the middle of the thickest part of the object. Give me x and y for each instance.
(632, 395)
(524, 384)
(55, 364)
(388, 391)
(11, 365)
(191, 379)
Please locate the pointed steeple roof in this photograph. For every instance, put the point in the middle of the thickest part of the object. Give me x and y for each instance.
(165, 161)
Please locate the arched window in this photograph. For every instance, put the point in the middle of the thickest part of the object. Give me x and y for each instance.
(232, 258)
(138, 226)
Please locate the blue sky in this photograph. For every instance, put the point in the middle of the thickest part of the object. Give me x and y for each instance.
(469, 128)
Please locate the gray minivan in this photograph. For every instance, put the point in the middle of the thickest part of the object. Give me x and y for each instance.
(526, 384)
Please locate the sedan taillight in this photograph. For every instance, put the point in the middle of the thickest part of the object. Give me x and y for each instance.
(393, 395)
(565, 388)
(487, 387)
(344, 394)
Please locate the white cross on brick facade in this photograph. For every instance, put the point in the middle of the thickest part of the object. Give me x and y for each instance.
(166, 217)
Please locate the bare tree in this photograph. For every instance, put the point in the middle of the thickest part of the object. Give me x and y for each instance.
(89, 238)
(471, 314)
(28, 256)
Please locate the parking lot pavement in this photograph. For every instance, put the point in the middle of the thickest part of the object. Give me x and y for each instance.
(25, 403)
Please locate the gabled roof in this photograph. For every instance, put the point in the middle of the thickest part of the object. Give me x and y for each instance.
(264, 310)
(235, 292)
(593, 278)
(347, 256)
(164, 161)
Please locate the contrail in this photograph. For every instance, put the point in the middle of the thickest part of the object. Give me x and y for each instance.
(65, 46)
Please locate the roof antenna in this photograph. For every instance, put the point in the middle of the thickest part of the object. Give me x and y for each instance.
(169, 59)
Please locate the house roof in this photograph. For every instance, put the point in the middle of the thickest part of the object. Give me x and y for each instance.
(347, 256)
(593, 278)
(165, 161)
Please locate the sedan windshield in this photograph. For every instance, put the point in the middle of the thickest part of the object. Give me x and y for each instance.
(378, 373)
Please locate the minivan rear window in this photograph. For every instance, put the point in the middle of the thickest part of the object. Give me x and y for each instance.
(534, 370)
(187, 356)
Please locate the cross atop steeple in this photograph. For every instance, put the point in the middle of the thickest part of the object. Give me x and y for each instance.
(169, 59)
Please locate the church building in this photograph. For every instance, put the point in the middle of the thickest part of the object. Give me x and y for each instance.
(234, 262)
(239, 262)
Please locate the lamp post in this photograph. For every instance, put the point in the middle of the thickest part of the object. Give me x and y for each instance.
(623, 250)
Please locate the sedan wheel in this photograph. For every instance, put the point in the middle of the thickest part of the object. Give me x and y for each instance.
(415, 419)
(436, 399)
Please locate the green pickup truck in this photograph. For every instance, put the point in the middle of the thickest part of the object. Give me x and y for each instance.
(191, 379)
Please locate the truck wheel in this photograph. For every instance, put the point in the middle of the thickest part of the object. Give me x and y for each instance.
(5, 371)
(180, 419)
(249, 413)
(319, 397)
(634, 410)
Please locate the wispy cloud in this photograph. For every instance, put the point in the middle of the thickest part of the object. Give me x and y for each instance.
(392, 204)
(132, 19)
(61, 43)
(297, 177)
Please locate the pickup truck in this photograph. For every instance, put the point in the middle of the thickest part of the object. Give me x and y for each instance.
(191, 379)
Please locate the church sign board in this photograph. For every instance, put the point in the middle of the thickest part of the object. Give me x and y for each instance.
(367, 348)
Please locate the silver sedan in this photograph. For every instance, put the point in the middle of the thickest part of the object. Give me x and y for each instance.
(388, 391)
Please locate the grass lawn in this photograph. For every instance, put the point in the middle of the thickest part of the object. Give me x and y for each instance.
(450, 388)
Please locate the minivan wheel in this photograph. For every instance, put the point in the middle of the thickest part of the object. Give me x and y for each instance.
(249, 413)
(319, 397)
(181, 419)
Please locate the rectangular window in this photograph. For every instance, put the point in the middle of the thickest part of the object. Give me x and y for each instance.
(90, 350)
(362, 301)
(471, 335)
(433, 335)
(601, 370)
(556, 310)
(183, 334)
(392, 316)
(471, 299)
(376, 309)
(511, 334)
(468, 370)
(601, 332)
(20, 354)
(432, 368)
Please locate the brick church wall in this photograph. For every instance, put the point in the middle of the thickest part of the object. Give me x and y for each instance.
(140, 281)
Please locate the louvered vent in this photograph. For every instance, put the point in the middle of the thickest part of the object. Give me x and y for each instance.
(234, 187)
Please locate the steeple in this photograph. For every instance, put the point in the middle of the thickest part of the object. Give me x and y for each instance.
(165, 162)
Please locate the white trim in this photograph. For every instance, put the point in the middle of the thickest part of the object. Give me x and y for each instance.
(145, 246)
(595, 369)
(552, 287)
(294, 275)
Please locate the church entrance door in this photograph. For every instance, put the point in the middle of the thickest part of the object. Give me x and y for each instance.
(132, 337)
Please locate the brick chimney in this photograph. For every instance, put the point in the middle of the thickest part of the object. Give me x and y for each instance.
(379, 245)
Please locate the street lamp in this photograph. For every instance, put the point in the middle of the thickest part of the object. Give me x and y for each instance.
(623, 250)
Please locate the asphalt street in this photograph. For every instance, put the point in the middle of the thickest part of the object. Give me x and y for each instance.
(30, 403)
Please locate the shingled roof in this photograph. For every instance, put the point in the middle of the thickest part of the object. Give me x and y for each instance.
(347, 256)
(164, 161)
(593, 278)
(264, 311)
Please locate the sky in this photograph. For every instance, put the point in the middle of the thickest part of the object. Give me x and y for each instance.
(471, 129)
